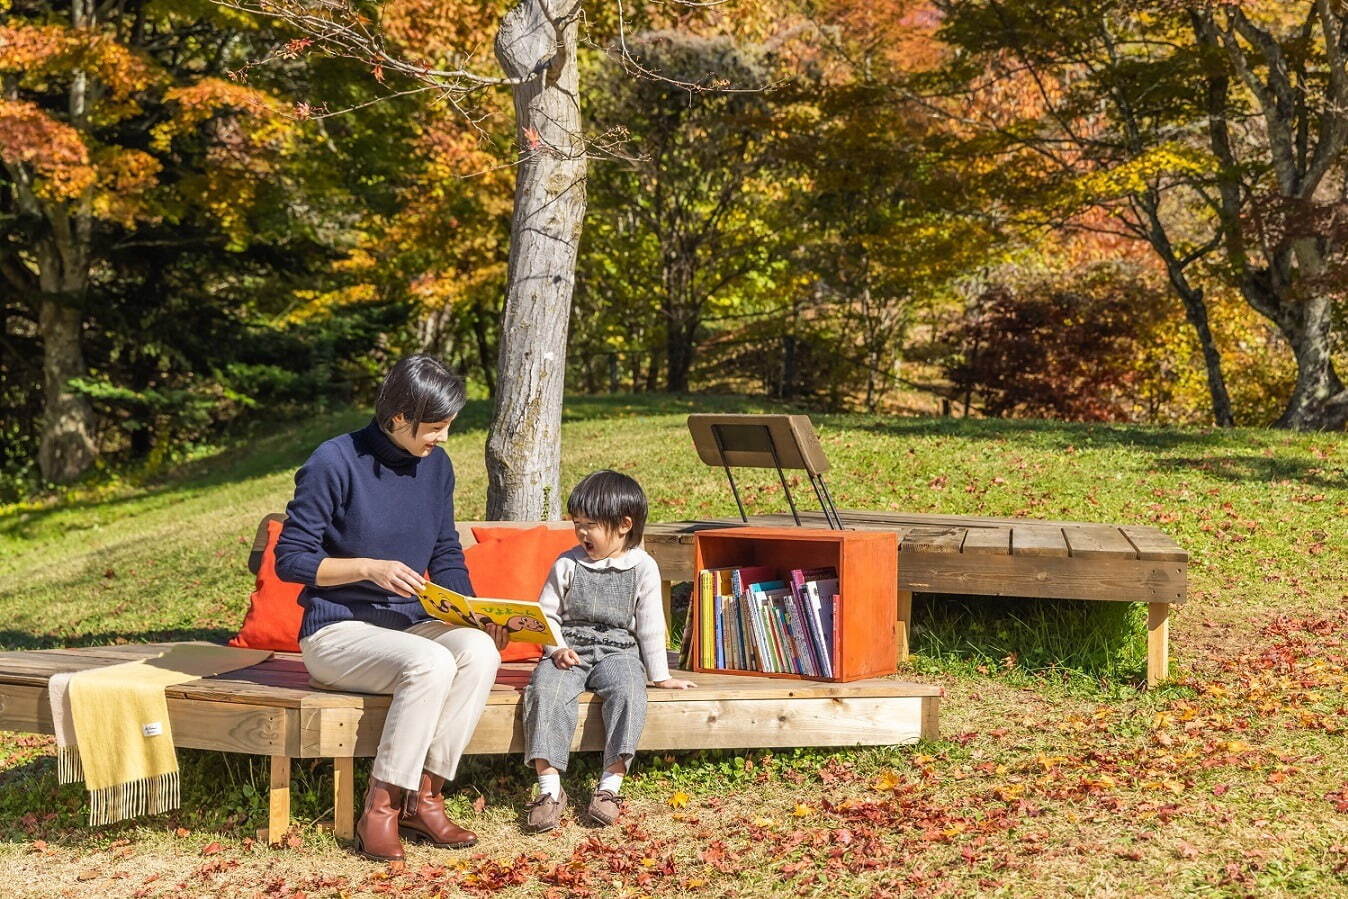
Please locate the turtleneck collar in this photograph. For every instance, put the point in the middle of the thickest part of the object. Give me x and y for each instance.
(384, 449)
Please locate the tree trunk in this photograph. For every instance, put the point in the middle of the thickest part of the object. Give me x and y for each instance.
(1319, 401)
(524, 448)
(679, 356)
(67, 446)
(1196, 310)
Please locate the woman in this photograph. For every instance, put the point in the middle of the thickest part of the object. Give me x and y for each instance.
(372, 510)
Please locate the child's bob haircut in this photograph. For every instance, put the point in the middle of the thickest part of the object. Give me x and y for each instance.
(421, 389)
(608, 497)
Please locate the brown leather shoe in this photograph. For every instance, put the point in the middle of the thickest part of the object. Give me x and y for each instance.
(545, 813)
(377, 829)
(424, 819)
(605, 807)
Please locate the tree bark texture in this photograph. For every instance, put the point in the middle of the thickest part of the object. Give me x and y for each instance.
(1281, 261)
(67, 447)
(523, 455)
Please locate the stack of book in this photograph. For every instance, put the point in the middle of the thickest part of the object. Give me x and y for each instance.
(764, 619)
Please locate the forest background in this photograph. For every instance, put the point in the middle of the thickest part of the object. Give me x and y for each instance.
(1116, 211)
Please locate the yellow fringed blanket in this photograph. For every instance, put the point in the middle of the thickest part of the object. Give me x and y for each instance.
(112, 727)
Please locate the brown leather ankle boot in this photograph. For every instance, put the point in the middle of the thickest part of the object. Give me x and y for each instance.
(424, 819)
(377, 829)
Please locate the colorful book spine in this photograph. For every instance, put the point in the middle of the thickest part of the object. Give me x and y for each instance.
(822, 622)
(718, 609)
(800, 634)
(704, 617)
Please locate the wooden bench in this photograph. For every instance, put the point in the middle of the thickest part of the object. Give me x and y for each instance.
(271, 709)
(996, 557)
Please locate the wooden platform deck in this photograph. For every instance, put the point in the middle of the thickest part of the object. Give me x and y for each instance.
(272, 709)
(995, 557)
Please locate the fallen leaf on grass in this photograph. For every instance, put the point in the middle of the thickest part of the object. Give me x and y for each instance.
(801, 810)
(679, 799)
(887, 781)
(479, 803)
(87, 875)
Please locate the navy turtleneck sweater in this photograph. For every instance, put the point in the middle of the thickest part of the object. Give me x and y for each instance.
(361, 495)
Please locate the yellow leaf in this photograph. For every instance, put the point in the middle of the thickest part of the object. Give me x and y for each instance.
(679, 799)
(802, 810)
(887, 781)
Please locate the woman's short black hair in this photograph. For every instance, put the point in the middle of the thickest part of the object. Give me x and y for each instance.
(420, 388)
(608, 497)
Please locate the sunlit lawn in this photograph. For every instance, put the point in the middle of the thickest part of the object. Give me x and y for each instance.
(1054, 776)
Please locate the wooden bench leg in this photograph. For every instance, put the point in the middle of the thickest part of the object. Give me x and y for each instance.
(904, 624)
(344, 797)
(278, 801)
(1158, 642)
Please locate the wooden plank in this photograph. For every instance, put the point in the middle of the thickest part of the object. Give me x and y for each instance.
(674, 557)
(224, 726)
(344, 797)
(1116, 580)
(932, 540)
(1151, 543)
(278, 799)
(37, 666)
(852, 516)
(995, 541)
(862, 721)
(1098, 542)
(1036, 540)
(1158, 643)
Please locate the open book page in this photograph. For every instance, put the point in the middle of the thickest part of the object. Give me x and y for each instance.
(524, 620)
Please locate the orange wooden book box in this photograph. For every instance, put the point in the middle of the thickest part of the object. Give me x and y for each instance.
(868, 577)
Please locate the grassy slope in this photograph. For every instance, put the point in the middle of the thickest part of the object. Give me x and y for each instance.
(1020, 799)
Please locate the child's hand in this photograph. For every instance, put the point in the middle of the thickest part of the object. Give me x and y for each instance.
(565, 658)
(674, 683)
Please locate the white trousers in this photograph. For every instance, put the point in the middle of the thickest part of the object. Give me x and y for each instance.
(439, 677)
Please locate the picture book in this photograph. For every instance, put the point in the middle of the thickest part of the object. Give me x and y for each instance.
(523, 619)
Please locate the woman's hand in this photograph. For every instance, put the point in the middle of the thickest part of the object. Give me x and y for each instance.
(565, 658)
(674, 683)
(393, 576)
(499, 635)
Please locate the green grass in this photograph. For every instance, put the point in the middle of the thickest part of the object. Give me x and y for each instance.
(132, 558)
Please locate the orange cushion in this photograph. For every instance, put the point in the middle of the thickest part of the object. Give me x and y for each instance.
(274, 612)
(514, 563)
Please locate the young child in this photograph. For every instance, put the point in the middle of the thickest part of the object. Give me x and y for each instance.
(603, 596)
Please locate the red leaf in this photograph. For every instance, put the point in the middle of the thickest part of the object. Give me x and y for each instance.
(212, 848)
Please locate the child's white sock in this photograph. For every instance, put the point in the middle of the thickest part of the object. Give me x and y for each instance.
(611, 782)
(550, 783)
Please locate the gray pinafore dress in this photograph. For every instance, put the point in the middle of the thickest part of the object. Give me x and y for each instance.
(596, 613)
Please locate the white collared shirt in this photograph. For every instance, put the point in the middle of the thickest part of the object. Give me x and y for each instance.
(648, 619)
